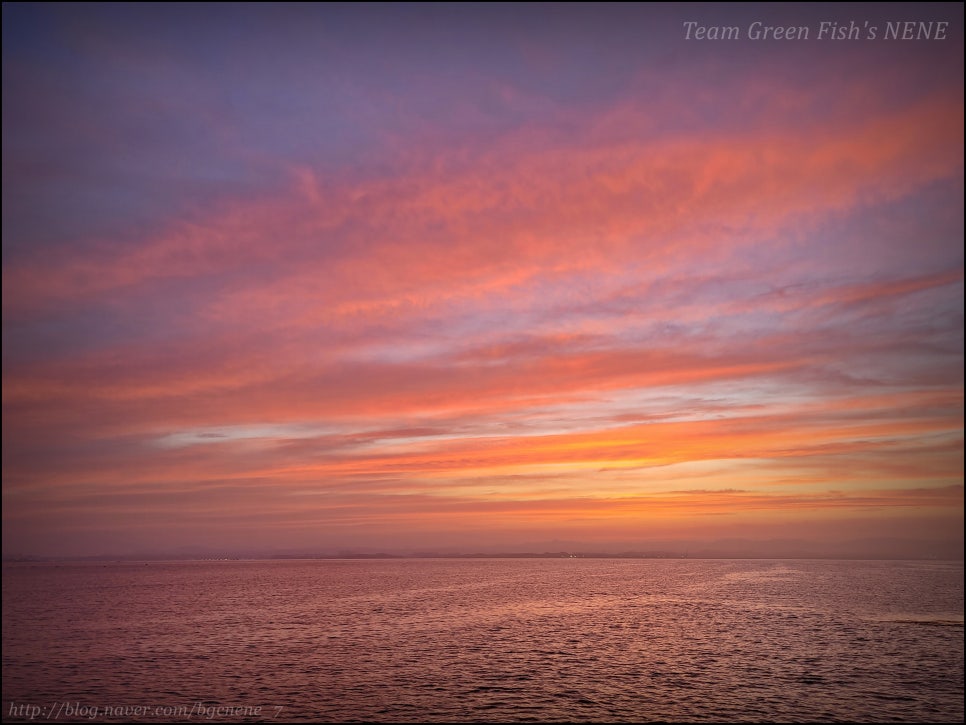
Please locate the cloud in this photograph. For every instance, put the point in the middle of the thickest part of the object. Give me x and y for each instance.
(558, 301)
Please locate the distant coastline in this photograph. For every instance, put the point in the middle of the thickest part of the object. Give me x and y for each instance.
(386, 556)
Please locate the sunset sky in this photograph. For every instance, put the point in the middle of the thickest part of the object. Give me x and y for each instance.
(321, 278)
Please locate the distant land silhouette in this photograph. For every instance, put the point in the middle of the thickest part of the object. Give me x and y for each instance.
(869, 548)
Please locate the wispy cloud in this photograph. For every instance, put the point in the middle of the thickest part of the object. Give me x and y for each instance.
(518, 296)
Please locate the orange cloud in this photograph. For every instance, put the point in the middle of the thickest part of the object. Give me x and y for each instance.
(618, 328)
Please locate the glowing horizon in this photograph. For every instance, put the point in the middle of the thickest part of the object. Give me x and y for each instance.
(327, 277)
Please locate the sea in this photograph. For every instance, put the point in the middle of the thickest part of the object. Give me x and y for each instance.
(484, 640)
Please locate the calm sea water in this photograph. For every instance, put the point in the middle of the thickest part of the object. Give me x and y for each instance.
(484, 640)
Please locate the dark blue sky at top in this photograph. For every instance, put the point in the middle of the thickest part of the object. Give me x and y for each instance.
(116, 115)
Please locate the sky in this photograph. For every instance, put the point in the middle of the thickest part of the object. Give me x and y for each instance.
(285, 278)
